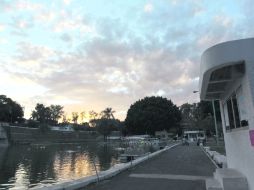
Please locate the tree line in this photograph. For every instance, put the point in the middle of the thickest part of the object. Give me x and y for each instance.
(145, 116)
(200, 116)
(10, 111)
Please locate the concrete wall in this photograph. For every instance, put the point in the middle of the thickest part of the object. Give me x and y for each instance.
(240, 153)
(3, 136)
(22, 135)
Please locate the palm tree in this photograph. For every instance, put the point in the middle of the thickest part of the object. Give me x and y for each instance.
(82, 116)
(75, 117)
(93, 115)
(108, 113)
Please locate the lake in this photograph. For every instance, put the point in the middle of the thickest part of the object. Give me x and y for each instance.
(23, 167)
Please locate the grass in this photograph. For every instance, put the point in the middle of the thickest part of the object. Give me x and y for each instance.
(220, 148)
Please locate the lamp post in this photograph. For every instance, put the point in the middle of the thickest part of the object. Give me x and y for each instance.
(215, 120)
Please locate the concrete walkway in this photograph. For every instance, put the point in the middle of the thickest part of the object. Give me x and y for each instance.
(180, 168)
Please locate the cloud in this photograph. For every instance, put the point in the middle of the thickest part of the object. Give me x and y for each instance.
(29, 52)
(107, 70)
(19, 5)
(109, 60)
(68, 21)
(160, 93)
(45, 16)
(3, 41)
(119, 90)
(27, 6)
(223, 20)
(67, 2)
(65, 25)
(66, 37)
(2, 27)
(174, 2)
(21, 24)
(32, 62)
(148, 7)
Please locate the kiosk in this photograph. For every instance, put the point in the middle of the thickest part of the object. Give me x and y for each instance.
(227, 75)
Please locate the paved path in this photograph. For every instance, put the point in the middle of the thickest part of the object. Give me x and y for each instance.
(180, 168)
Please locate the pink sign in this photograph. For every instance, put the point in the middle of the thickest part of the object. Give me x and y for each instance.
(252, 137)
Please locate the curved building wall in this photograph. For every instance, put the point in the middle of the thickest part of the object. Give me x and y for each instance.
(239, 149)
(223, 54)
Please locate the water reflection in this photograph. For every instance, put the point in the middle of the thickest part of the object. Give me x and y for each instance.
(22, 167)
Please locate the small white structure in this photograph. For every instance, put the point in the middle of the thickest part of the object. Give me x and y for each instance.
(67, 128)
(194, 135)
(227, 75)
(140, 139)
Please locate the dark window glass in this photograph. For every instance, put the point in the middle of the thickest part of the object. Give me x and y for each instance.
(230, 114)
(236, 112)
(233, 112)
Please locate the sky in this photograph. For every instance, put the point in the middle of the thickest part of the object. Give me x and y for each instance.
(89, 55)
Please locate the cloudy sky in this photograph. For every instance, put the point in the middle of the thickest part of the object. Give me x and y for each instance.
(93, 54)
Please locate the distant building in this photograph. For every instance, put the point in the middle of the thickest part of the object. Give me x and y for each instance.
(62, 128)
(193, 135)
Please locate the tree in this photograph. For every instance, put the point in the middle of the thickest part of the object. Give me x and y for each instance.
(10, 111)
(82, 116)
(186, 113)
(48, 115)
(152, 114)
(75, 117)
(105, 123)
(56, 112)
(65, 120)
(107, 113)
(40, 113)
(207, 116)
(105, 126)
(200, 115)
(93, 116)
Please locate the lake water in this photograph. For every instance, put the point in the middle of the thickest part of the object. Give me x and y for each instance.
(23, 167)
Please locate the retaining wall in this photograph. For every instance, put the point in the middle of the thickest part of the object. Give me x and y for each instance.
(23, 135)
(3, 137)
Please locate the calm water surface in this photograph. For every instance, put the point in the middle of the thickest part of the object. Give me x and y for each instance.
(23, 167)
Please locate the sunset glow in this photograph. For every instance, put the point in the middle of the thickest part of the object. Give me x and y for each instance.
(89, 55)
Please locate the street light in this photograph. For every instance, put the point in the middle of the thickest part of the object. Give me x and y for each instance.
(215, 120)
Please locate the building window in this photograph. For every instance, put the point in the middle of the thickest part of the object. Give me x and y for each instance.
(236, 111)
(233, 112)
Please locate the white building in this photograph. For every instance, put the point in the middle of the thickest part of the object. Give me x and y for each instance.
(227, 75)
(67, 128)
(194, 135)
